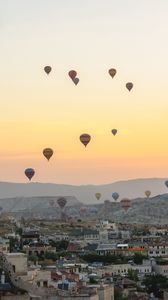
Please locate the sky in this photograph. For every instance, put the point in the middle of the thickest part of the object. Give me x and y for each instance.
(39, 111)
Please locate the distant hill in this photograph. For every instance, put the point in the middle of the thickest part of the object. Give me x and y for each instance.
(84, 193)
(143, 211)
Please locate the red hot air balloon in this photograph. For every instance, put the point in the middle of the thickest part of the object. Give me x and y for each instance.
(29, 173)
(126, 203)
(129, 86)
(61, 202)
(72, 74)
(47, 69)
(83, 209)
(85, 139)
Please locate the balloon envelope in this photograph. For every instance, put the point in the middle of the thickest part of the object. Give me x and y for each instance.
(47, 69)
(83, 209)
(29, 173)
(51, 203)
(61, 202)
(76, 80)
(148, 193)
(125, 203)
(114, 131)
(48, 152)
(129, 86)
(85, 139)
(112, 72)
(166, 183)
(98, 196)
(93, 210)
(115, 196)
(72, 74)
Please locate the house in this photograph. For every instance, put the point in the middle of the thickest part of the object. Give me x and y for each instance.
(158, 249)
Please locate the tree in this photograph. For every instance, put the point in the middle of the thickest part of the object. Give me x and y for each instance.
(155, 284)
(118, 295)
(33, 258)
(132, 275)
(138, 258)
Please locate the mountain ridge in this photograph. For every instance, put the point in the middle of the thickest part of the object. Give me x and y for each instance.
(132, 188)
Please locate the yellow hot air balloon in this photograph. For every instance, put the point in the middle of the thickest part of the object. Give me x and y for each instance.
(98, 196)
(147, 193)
(48, 152)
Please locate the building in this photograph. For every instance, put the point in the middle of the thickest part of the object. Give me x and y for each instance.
(4, 245)
(113, 270)
(18, 261)
(161, 269)
(91, 235)
(165, 295)
(143, 269)
(159, 249)
(38, 248)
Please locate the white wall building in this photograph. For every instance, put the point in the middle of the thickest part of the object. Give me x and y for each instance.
(161, 269)
(18, 261)
(158, 250)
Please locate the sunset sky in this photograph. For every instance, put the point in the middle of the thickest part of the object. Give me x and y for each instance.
(39, 111)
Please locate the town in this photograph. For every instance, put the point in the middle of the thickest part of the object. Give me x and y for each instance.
(82, 260)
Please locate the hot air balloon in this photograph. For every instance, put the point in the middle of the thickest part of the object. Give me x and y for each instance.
(125, 203)
(98, 196)
(47, 69)
(166, 183)
(112, 72)
(129, 86)
(72, 74)
(61, 202)
(72, 211)
(51, 201)
(85, 139)
(29, 173)
(93, 210)
(114, 131)
(115, 196)
(48, 152)
(83, 209)
(147, 193)
(76, 80)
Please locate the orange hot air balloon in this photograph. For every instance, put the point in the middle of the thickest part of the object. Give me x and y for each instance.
(85, 139)
(75, 80)
(129, 86)
(114, 131)
(48, 152)
(125, 203)
(29, 173)
(72, 74)
(147, 193)
(112, 72)
(47, 69)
